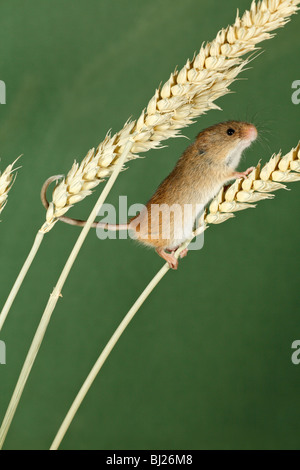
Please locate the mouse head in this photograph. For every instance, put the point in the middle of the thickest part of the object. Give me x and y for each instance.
(224, 138)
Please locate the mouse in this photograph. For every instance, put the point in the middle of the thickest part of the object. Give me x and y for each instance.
(168, 218)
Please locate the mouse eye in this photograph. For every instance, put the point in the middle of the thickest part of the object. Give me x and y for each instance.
(230, 131)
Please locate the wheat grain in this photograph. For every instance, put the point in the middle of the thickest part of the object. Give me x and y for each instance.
(187, 94)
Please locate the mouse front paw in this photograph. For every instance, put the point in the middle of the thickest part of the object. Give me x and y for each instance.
(243, 174)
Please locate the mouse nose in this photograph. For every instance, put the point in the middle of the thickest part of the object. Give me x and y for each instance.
(251, 132)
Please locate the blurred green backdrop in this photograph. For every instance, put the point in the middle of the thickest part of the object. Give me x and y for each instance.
(206, 363)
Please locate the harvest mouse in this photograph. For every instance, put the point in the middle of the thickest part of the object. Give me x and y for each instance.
(203, 168)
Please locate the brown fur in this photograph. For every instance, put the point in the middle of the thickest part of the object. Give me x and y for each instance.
(204, 167)
(199, 173)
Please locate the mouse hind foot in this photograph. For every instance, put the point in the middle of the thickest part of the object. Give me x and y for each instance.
(183, 253)
(169, 257)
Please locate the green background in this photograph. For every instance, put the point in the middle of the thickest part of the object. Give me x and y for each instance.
(206, 363)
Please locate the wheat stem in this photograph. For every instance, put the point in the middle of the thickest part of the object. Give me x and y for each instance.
(4, 312)
(104, 355)
(107, 350)
(41, 330)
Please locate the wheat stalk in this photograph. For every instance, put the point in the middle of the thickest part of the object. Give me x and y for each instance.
(40, 332)
(187, 94)
(6, 182)
(238, 196)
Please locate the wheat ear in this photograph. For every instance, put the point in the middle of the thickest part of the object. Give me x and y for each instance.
(238, 196)
(259, 185)
(187, 94)
(6, 182)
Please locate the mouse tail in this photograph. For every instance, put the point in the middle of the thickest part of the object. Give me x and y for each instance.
(70, 220)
